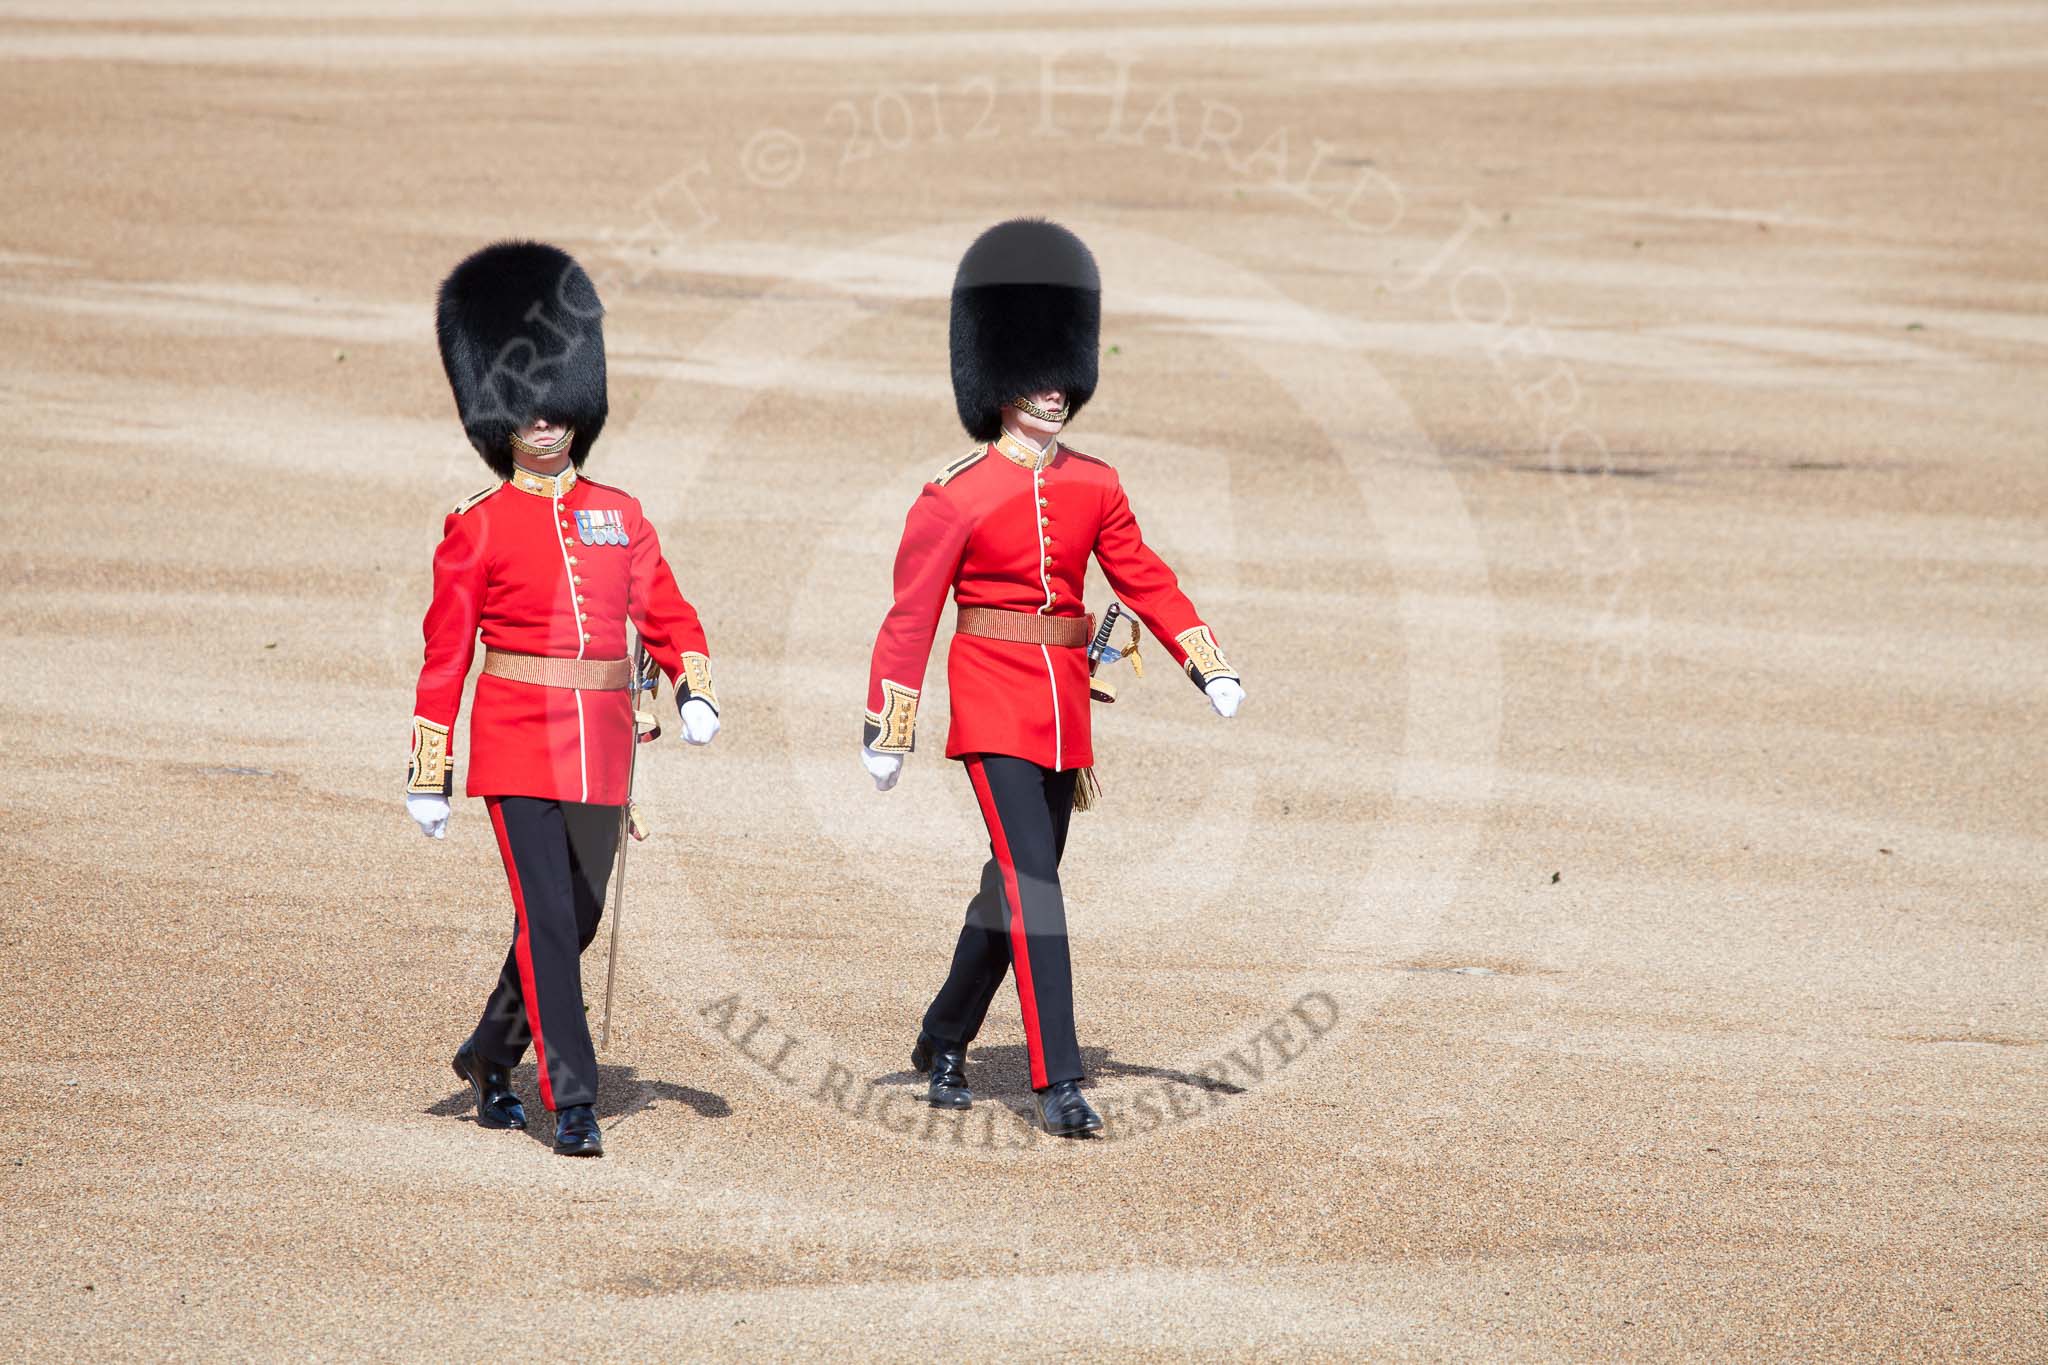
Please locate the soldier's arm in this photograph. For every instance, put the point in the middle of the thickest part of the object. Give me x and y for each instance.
(669, 626)
(450, 633)
(1144, 583)
(927, 562)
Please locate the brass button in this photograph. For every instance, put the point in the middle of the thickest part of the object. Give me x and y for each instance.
(572, 559)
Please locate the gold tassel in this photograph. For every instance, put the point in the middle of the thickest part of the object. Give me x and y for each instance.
(1087, 790)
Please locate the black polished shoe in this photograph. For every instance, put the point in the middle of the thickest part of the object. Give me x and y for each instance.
(576, 1132)
(496, 1105)
(948, 1066)
(1063, 1112)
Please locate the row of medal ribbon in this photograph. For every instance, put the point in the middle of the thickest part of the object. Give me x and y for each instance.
(600, 528)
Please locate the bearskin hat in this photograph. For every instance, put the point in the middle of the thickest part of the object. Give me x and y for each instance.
(1027, 315)
(522, 337)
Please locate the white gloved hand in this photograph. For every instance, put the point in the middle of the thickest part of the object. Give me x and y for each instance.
(431, 812)
(700, 722)
(1226, 695)
(884, 768)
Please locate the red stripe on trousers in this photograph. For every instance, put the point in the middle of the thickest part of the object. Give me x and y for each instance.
(1020, 944)
(522, 950)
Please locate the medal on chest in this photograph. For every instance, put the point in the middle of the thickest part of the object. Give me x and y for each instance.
(600, 528)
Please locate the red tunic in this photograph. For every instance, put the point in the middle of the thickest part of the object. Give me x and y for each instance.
(518, 566)
(1003, 527)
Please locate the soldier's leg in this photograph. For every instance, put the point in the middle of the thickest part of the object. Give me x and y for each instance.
(502, 1034)
(1024, 840)
(988, 916)
(1059, 804)
(533, 839)
(981, 958)
(593, 853)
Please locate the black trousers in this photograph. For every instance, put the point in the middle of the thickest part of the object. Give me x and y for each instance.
(558, 857)
(1018, 918)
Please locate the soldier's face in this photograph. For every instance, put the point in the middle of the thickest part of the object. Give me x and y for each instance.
(1052, 400)
(542, 433)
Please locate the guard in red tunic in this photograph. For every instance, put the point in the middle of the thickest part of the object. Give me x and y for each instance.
(548, 568)
(1008, 528)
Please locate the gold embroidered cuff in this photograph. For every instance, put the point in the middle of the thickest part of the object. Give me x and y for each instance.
(696, 680)
(893, 730)
(433, 771)
(1205, 658)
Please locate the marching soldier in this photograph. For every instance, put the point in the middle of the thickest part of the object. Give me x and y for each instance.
(548, 567)
(1009, 527)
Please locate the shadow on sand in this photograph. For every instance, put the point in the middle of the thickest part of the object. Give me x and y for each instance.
(621, 1093)
(1002, 1074)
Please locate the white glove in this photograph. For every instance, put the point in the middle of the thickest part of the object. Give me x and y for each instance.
(700, 722)
(1225, 695)
(431, 812)
(884, 768)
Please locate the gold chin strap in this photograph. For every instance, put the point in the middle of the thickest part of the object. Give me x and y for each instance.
(526, 447)
(1030, 409)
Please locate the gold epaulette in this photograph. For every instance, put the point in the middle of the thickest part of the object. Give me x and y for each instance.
(945, 475)
(473, 499)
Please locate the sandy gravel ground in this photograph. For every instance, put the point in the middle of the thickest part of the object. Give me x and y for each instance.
(1609, 436)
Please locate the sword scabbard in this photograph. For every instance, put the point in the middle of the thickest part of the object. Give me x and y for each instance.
(646, 678)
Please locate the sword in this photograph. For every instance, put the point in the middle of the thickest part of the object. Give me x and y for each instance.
(1100, 651)
(646, 678)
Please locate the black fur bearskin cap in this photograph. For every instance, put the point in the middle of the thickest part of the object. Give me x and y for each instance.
(522, 337)
(1027, 315)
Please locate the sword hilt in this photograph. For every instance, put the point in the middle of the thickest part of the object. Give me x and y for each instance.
(646, 678)
(1101, 648)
